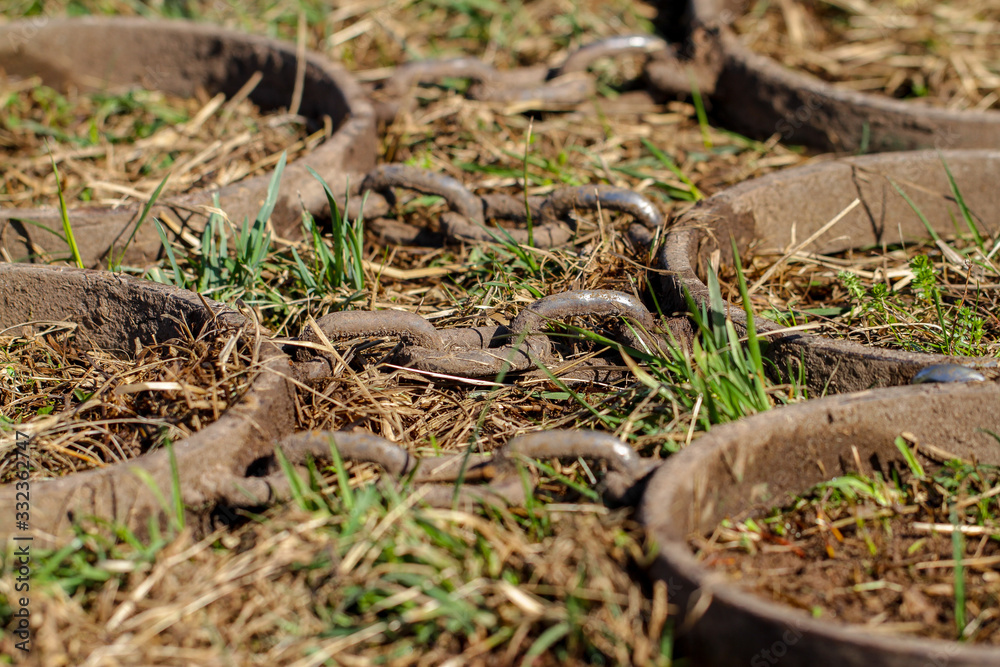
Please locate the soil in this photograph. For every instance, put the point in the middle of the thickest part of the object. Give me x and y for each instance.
(881, 557)
(109, 146)
(944, 54)
(86, 408)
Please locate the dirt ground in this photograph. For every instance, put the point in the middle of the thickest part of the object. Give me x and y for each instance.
(877, 553)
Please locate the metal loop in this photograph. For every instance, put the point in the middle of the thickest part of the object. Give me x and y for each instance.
(382, 179)
(580, 302)
(593, 197)
(435, 477)
(359, 447)
(397, 232)
(485, 351)
(525, 86)
(466, 221)
(531, 87)
(547, 235)
(611, 47)
(548, 213)
(484, 362)
(370, 205)
(468, 352)
(408, 327)
(411, 74)
(501, 206)
(565, 305)
(569, 90)
(627, 467)
(429, 474)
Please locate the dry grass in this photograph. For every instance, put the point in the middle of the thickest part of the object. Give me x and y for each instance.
(112, 146)
(427, 587)
(946, 54)
(890, 306)
(85, 407)
(420, 410)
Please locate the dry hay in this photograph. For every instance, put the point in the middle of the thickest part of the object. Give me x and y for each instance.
(113, 146)
(486, 146)
(945, 54)
(432, 412)
(362, 586)
(86, 407)
(370, 36)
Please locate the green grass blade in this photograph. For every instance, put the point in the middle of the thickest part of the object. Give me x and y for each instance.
(356, 234)
(920, 214)
(582, 489)
(305, 275)
(213, 253)
(35, 223)
(672, 166)
(242, 239)
(273, 189)
(456, 493)
(177, 519)
(147, 478)
(296, 486)
(345, 241)
(343, 481)
(142, 218)
(672, 191)
(50, 564)
(547, 639)
(753, 343)
(715, 318)
(256, 240)
(699, 108)
(64, 214)
(503, 237)
(910, 458)
(575, 395)
(179, 279)
(966, 213)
